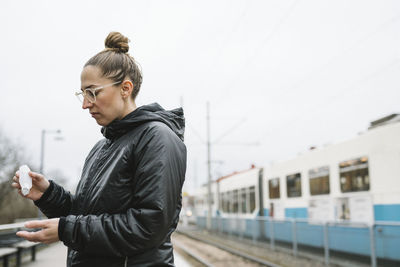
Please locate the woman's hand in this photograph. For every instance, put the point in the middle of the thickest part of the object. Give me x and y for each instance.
(47, 235)
(39, 185)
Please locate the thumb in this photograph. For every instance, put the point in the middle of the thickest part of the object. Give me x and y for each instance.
(36, 224)
(36, 176)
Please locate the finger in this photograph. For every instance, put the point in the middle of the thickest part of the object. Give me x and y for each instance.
(30, 236)
(17, 174)
(36, 224)
(20, 192)
(36, 176)
(16, 179)
(16, 185)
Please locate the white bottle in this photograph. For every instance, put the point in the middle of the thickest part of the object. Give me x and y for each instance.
(24, 179)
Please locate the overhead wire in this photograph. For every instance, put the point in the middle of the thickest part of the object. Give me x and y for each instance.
(311, 75)
(322, 67)
(219, 53)
(195, 132)
(226, 90)
(366, 37)
(333, 99)
(229, 131)
(234, 29)
(274, 31)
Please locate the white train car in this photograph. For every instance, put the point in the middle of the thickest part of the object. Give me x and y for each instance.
(357, 180)
(239, 193)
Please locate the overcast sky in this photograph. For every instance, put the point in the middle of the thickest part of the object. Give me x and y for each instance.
(280, 76)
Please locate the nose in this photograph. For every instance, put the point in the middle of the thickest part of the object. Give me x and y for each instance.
(86, 103)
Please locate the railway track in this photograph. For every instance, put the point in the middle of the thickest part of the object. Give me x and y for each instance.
(209, 253)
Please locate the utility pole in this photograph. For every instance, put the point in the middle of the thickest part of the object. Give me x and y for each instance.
(42, 151)
(195, 173)
(209, 214)
(209, 143)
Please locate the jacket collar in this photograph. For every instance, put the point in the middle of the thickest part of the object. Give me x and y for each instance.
(174, 119)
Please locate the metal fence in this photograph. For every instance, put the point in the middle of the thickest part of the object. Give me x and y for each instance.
(317, 234)
(12, 246)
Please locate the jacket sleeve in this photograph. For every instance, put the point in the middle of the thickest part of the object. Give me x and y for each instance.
(160, 163)
(55, 201)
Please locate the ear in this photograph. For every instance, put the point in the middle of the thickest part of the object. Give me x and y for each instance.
(127, 88)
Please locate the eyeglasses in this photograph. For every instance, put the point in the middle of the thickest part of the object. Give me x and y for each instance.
(90, 93)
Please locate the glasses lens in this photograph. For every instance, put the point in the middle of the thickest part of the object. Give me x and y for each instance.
(79, 96)
(90, 96)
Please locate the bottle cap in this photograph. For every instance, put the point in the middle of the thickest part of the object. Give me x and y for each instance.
(25, 191)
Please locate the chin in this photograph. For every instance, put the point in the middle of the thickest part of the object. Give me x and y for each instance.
(102, 123)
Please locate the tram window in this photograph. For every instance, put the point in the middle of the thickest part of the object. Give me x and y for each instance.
(252, 198)
(243, 200)
(235, 201)
(229, 202)
(319, 181)
(222, 201)
(274, 191)
(226, 202)
(293, 185)
(354, 175)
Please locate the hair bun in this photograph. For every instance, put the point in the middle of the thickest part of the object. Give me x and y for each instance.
(117, 42)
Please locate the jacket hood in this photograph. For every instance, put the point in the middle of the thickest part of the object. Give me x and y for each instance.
(174, 119)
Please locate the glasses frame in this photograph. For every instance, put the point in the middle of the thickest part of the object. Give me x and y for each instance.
(93, 91)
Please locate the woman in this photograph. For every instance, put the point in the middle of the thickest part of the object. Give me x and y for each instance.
(128, 200)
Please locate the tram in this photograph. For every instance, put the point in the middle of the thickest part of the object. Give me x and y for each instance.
(353, 185)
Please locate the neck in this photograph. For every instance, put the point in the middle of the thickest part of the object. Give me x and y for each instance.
(130, 106)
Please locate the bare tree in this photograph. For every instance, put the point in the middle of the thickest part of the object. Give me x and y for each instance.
(12, 205)
(10, 158)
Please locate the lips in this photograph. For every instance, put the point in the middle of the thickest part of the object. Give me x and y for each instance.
(94, 114)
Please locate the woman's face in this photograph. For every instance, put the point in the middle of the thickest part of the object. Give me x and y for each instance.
(109, 103)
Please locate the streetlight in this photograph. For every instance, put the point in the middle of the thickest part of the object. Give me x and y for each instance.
(44, 132)
(43, 139)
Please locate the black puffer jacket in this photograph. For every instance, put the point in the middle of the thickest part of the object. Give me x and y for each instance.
(128, 200)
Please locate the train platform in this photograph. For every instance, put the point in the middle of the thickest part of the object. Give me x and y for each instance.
(55, 255)
(49, 256)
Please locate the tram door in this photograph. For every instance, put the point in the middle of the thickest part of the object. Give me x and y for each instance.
(342, 209)
(357, 209)
(276, 210)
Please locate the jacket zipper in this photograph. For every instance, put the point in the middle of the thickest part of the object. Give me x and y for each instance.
(126, 262)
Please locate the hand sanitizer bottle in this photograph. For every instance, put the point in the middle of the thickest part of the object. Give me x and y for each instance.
(24, 179)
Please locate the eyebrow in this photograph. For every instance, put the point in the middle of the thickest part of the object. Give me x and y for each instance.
(89, 86)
